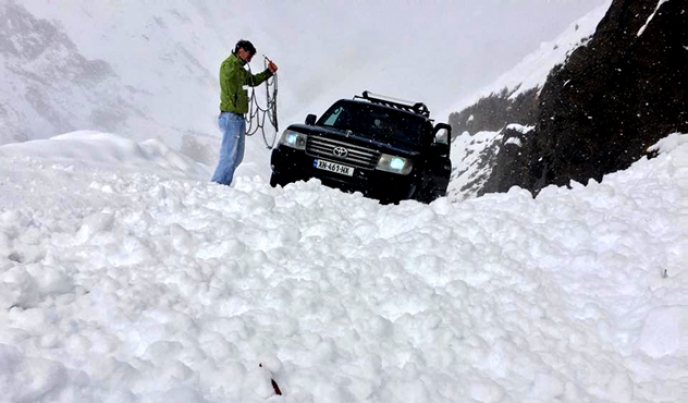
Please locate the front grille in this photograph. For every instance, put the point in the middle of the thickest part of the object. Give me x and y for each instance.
(358, 156)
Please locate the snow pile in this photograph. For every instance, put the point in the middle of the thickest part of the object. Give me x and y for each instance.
(468, 170)
(665, 332)
(142, 285)
(520, 128)
(106, 151)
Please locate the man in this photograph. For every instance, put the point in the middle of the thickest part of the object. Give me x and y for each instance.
(234, 105)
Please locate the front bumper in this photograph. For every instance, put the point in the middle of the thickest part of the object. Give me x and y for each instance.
(293, 165)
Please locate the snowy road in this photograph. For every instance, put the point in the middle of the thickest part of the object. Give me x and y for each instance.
(142, 283)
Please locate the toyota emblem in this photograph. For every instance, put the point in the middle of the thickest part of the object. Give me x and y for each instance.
(340, 152)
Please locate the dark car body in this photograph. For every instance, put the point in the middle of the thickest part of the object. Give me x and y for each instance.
(385, 149)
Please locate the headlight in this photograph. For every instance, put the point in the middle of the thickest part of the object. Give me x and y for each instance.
(392, 163)
(293, 139)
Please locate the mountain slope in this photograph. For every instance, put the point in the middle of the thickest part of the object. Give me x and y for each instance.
(611, 100)
(532, 71)
(512, 99)
(48, 84)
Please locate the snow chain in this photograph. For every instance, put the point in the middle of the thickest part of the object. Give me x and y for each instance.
(255, 119)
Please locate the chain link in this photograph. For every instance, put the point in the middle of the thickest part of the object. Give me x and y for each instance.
(256, 117)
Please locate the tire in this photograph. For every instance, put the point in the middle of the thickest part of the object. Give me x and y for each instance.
(280, 180)
(274, 180)
(427, 194)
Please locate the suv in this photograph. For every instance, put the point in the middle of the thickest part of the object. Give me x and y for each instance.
(385, 148)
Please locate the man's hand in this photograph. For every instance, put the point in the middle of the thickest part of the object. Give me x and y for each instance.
(272, 66)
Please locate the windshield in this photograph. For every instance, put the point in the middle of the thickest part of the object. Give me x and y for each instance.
(381, 123)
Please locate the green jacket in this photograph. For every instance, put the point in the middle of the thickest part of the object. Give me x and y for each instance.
(233, 78)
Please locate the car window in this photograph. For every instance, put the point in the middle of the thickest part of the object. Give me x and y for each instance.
(382, 123)
(332, 117)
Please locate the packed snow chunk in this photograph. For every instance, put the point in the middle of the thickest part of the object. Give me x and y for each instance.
(381, 327)
(163, 352)
(51, 280)
(665, 332)
(514, 140)
(182, 395)
(18, 288)
(26, 380)
(669, 143)
(271, 363)
(620, 387)
(520, 128)
(486, 391)
(259, 382)
(547, 387)
(5, 245)
(675, 148)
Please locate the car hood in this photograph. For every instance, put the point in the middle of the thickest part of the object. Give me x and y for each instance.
(401, 149)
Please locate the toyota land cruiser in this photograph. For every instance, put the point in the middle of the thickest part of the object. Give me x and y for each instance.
(385, 148)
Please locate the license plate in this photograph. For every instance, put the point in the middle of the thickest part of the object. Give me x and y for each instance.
(332, 167)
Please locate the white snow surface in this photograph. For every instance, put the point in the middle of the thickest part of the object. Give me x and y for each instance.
(520, 128)
(466, 157)
(126, 277)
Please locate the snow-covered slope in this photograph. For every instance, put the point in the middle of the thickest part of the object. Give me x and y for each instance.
(89, 65)
(48, 87)
(532, 71)
(472, 155)
(467, 153)
(106, 152)
(133, 281)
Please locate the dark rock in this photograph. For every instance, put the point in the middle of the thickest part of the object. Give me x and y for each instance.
(494, 112)
(614, 97)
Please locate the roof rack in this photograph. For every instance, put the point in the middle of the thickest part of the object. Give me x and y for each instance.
(418, 107)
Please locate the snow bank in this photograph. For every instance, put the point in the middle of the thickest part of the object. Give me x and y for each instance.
(105, 150)
(140, 285)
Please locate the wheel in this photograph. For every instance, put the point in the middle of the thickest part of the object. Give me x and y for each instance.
(280, 180)
(427, 194)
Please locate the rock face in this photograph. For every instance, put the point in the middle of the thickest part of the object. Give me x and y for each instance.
(494, 112)
(614, 97)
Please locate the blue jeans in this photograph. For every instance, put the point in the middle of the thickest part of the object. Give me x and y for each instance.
(233, 128)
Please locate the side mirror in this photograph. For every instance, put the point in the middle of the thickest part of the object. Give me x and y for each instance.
(310, 119)
(442, 133)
